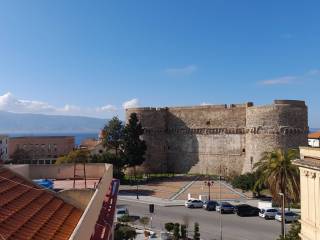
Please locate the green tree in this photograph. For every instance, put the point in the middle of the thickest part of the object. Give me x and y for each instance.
(117, 162)
(124, 232)
(176, 231)
(113, 132)
(293, 233)
(79, 155)
(134, 148)
(279, 174)
(196, 234)
(113, 142)
(169, 226)
(21, 156)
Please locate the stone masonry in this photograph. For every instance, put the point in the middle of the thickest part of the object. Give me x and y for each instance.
(219, 138)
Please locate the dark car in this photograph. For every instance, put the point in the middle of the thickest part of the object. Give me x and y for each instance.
(243, 210)
(210, 205)
(224, 207)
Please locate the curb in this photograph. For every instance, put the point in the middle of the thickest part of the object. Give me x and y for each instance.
(183, 189)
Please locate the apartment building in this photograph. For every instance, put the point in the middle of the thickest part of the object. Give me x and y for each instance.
(42, 149)
(4, 152)
(309, 165)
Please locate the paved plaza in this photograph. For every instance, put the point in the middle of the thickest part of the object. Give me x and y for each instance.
(177, 189)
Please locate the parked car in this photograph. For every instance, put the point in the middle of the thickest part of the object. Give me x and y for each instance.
(194, 203)
(210, 205)
(246, 210)
(120, 212)
(289, 217)
(268, 213)
(224, 207)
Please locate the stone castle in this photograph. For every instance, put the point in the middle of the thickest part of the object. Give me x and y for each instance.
(219, 138)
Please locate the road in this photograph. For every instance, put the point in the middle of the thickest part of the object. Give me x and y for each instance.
(233, 226)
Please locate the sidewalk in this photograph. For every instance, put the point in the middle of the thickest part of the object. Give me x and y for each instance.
(152, 200)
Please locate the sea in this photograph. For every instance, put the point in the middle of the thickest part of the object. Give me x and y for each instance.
(79, 137)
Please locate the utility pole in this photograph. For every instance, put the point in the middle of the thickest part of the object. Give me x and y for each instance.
(209, 184)
(283, 232)
(220, 214)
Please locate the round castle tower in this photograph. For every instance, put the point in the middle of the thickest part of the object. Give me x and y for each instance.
(154, 122)
(284, 124)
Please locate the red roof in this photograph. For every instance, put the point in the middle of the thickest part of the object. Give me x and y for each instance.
(28, 211)
(314, 135)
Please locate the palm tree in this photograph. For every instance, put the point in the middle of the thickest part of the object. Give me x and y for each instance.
(279, 174)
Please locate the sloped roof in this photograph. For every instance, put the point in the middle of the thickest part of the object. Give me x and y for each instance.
(28, 211)
(314, 135)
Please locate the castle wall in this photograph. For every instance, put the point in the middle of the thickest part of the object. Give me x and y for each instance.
(202, 139)
(214, 135)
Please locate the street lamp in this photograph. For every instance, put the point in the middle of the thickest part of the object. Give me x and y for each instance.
(209, 184)
(283, 232)
(137, 190)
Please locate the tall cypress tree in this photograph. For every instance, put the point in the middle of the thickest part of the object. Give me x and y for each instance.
(134, 147)
(113, 140)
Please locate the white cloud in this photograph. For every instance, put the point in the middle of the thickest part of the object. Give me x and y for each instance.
(313, 72)
(107, 108)
(205, 104)
(279, 81)
(133, 103)
(183, 71)
(10, 103)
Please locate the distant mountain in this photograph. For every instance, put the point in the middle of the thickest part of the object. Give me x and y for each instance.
(314, 130)
(40, 123)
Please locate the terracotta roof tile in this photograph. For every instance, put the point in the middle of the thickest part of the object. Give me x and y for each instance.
(27, 211)
(314, 135)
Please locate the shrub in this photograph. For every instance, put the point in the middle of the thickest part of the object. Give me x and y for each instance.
(293, 233)
(124, 232)
(196, 234)
(169, 226)
(144, 221)
(244, 182)
(124, 218)
(176, 231)
(183, 231)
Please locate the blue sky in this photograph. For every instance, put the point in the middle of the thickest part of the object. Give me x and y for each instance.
(92, 57)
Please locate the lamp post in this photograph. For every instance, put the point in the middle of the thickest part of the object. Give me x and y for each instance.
(209, 184)
(283, 232)
(137, 190)
(220, 213)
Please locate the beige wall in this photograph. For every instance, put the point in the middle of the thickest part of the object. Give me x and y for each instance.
(310, 196)
(89, 218)
(63, 171)
(310, 203)
(77, 197)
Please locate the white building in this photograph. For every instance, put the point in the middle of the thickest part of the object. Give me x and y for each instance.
(314, 139)
(4, 152)
(309, 165)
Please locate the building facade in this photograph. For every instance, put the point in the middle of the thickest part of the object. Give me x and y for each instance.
(4, 152)
(42, 149)
(309, 165)
(219, 138)
(314, 139)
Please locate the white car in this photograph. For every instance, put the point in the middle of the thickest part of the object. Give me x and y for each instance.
(268, 213)
(120, 212)
(194, 203)
(289, 217)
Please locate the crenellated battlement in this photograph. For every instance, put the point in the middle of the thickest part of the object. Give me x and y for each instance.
(198, 139)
